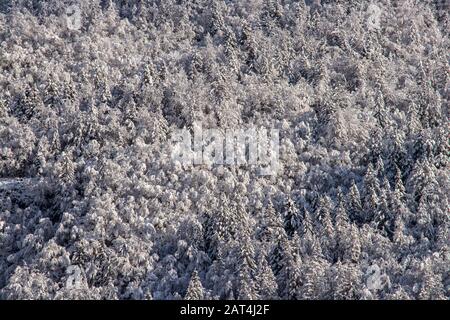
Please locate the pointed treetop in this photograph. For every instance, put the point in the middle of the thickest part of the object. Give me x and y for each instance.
(195, 289)
(380, 167)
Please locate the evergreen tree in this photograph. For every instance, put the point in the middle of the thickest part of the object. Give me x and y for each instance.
(397, 153)
(399, 238)
(424, 221)
(246, 286)
(288, 278)
(399, 294)
(276, 256)
(291, 217)
(314, 278)
(342, 229)
(399, 189)
(217, 21)
(383, 220)
(267, 286)
(93, 207)
(325, 229)
(272, 228)
(370, 197)
(346, 281)
(432, 288)
(354, 207)
(380, 171)
(195, 289)
(422, 180)
(307, 233)
(353, 250)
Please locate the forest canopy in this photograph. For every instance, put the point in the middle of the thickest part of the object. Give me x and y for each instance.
(92, 207)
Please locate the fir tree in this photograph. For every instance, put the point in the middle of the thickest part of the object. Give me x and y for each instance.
(271, 229)
(431, 288)
(267, 286)
(354, 207)
(288, 278)
(291, 217)
(195, 289)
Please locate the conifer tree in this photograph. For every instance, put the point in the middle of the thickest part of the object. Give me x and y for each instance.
(267, 286)
(325, 229)
(431, 288)
(288, 278)
(342, 229)
(354, 207)
(195, 289)
(272, 226)
(291, 217)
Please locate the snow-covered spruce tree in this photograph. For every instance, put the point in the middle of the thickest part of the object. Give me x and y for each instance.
(92, 206)
(354, 206)
(291, 217)
(195, 289)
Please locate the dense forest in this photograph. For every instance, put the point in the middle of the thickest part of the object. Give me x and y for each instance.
(92, 207)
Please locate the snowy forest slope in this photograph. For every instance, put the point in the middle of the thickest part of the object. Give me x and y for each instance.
(92, 207)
